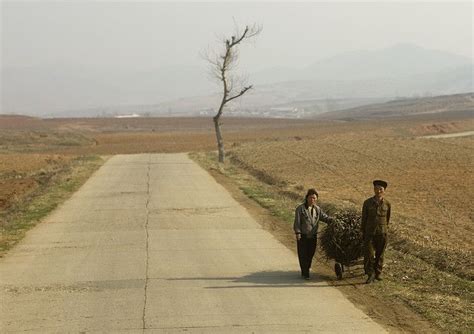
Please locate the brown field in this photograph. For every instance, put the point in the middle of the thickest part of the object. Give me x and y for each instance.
(430, 180)
(22, 174)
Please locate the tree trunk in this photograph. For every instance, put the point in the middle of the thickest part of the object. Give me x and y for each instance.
(220, 141)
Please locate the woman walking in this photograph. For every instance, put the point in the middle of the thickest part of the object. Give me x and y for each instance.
(307, 217)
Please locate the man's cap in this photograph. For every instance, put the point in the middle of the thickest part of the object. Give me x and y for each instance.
(380, 183)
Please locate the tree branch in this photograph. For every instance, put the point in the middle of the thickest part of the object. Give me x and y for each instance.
(242, 92)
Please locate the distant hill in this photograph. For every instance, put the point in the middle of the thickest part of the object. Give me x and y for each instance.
(315, 97)
(379, 75)
(64, 90)
(346, 81)
(458, 104)
(398, 61)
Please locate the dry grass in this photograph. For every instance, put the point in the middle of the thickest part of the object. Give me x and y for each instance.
(26, 164)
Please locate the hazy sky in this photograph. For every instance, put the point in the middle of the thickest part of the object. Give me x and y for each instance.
(143, 35)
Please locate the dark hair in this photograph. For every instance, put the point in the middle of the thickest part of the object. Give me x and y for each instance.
(310, 192)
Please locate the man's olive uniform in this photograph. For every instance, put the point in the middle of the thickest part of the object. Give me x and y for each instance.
(375, 220)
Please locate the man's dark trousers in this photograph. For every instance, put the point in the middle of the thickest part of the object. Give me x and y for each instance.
(374, 253)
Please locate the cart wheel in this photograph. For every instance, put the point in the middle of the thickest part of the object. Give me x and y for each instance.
(338, 269)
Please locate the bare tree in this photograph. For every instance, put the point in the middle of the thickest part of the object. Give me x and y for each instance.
(222, 65)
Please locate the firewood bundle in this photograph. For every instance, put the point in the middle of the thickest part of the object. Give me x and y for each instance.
(342, 239)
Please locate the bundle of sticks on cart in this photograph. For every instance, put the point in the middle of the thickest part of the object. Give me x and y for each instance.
(341, 240)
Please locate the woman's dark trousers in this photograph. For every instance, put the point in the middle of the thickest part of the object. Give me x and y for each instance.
(306, 249)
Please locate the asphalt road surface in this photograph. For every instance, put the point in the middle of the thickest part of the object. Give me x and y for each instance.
(152, 244)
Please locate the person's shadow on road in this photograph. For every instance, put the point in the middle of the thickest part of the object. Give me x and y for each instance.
(265, 279)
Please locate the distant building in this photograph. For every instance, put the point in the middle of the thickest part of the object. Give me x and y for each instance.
(127, 116)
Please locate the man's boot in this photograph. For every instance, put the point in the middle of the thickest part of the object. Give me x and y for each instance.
(370, 279)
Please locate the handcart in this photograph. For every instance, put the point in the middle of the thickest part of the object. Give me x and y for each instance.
(341, 241)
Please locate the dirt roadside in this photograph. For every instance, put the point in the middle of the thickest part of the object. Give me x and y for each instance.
(394, 315)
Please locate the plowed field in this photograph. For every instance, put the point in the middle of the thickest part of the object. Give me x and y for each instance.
(430, 181)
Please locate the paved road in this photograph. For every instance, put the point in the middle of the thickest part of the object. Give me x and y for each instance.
(451, 135)
(152, 244)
